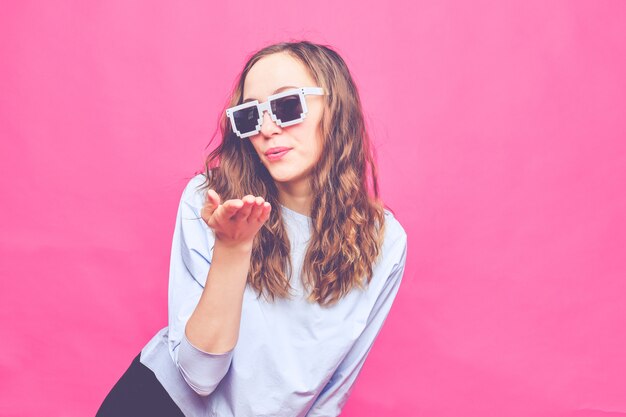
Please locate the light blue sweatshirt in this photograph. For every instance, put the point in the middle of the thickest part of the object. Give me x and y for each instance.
(293, 358)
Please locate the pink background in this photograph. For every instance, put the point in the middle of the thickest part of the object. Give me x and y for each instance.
(500, 130)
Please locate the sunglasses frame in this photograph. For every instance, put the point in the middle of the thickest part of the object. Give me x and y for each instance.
(262, 107)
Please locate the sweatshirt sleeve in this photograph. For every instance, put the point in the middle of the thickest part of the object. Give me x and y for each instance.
(336, 392)
(192, 247)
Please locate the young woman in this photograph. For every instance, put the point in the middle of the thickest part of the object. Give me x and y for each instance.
(284, 265)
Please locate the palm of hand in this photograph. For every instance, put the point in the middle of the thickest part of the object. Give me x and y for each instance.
(236, 221)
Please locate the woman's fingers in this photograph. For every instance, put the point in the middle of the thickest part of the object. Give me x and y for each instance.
(257, 209)
(250, 209)
(211, 204)
(244, 212)
(213, 198)
(264, 212)
(231, 208)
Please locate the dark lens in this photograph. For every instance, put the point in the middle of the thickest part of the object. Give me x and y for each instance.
(246, 119)
(287, 108)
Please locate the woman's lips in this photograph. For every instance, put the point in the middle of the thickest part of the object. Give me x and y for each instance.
(277, 156)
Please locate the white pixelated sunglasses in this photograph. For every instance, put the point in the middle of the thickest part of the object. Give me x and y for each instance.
(286, 109)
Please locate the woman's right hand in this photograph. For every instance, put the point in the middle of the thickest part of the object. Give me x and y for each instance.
(237, 221)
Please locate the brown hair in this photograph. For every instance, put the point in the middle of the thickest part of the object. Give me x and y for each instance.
(347, 223)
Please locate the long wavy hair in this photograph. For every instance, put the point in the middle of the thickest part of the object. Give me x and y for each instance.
(348, 222)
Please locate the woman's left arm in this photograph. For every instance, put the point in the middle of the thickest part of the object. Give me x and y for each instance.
(336, 392)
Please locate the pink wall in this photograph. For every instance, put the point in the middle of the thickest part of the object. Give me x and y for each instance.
(500, 129)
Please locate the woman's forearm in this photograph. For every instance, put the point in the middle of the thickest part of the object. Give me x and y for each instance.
(214, 325)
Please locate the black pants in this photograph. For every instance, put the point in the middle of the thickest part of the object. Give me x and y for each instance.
(138, 393)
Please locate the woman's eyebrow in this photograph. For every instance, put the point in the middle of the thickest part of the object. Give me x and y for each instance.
(278, 90)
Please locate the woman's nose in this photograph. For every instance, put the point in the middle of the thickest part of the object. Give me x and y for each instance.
(268, 126)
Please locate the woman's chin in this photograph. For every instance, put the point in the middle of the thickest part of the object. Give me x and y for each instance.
(285, 176)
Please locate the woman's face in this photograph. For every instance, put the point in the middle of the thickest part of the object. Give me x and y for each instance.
(270, 75)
